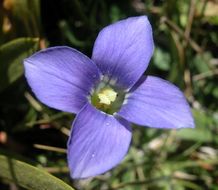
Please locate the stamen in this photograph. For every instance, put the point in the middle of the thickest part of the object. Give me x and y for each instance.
(107, 96)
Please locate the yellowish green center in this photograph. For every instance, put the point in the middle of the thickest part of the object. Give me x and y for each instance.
(107, 96)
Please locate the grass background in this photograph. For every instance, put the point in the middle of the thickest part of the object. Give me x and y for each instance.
(186, 46)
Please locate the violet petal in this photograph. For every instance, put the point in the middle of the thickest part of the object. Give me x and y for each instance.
(61, 77)
(98, 142)
(157, 103)
(123, 50)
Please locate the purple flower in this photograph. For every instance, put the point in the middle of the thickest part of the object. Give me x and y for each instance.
(107, 92)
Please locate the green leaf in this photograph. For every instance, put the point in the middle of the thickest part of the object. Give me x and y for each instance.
(195, 135)
(11, 58)
(202, 131)
(161, 59)
(201, 61)
(28, 176)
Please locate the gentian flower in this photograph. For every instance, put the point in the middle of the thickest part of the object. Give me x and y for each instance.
(107, 92)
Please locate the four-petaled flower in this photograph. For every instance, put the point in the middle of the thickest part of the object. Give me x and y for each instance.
(106, 92)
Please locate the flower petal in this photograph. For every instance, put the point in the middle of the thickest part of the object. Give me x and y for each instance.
(123, 50)
(157, 103)
(97, 143)
(61, 77)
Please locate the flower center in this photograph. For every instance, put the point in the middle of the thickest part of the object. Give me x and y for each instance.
(107, 97)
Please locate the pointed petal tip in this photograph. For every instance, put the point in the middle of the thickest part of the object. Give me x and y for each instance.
(60, 77)
(190, 125)
(157, 103)
(183, 127)
(120, 46)
(97, 143)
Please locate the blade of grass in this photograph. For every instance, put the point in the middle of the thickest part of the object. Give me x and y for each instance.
(28, 176)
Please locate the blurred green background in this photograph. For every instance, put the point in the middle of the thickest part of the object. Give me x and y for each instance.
(186, 53)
